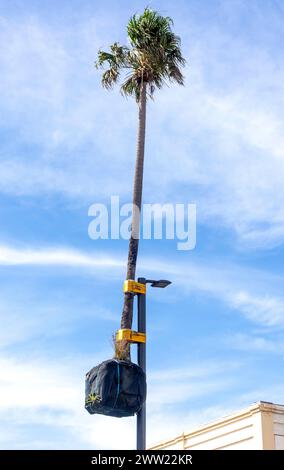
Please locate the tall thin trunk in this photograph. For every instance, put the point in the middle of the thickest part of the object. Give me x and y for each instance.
(127, 313)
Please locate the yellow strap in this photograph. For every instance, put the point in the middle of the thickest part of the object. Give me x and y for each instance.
(134, 287)
(130, 336)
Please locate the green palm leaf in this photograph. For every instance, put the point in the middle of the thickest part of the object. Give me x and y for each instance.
(154, 56)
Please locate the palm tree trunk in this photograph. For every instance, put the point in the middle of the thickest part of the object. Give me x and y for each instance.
(127, 313)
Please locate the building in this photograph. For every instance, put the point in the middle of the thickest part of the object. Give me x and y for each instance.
(260, 426)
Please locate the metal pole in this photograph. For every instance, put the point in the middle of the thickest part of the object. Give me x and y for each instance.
(141, 416)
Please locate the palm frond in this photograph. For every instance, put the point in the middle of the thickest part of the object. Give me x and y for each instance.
(154, 57)
(110, 77)
(131, 87)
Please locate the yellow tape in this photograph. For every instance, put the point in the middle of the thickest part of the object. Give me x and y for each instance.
(130, 336)
(135, 287)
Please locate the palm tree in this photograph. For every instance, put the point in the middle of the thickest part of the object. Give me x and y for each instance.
(153, 58)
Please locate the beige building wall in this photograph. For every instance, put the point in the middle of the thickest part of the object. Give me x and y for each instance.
(261, 426)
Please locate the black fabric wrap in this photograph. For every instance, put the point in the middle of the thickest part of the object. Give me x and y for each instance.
(115, 388)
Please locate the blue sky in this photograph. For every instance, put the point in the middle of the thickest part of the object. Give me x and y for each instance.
(215, 337)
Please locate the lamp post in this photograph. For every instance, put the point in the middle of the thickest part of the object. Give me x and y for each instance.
(141, 356)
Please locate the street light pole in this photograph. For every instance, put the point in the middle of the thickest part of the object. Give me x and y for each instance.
(141, 356)
(141, 415)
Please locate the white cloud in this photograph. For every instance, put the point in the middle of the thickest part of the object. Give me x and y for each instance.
(228, 150)
(54, 256)
(30, 317)
(175, 386)
(264, 309)
(255, 293)
(249, 342)
(38, 315)
(45, 394)
(51, 395)
(47, 412)
(52, 102)
(226, 143)
(236, 174)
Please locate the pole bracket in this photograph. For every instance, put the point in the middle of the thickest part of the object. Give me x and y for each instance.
(130, 336)
(134, 287)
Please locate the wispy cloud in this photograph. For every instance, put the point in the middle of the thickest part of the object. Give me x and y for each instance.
(53, 103)
(52, 398)
(52, 395)
(226, 142)
(54, 256)
(239, 287)
(265, 309)
(34, 317)
(250, 342)
(188, 382)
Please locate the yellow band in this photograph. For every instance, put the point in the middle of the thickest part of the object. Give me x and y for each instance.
(130, 336)
(134, 287)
